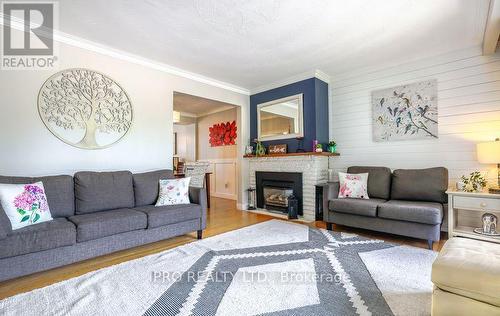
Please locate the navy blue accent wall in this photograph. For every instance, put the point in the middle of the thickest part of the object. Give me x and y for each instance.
(322, 117)
(315, 98)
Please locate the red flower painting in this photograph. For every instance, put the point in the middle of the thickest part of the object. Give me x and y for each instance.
(223, 134)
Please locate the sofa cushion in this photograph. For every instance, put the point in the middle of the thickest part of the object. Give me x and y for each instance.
(170, 214)
(146, 186)
(58, 189)
(379, 180)
(5, 226)
(107, 223)
(469, 268)
(355, 206)
(101, 191)
(43, 236)
(420, 184)
(412, 211)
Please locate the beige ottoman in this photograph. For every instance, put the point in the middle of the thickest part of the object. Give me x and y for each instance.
(466, 277)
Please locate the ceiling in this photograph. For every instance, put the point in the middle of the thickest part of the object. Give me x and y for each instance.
(193, 106)
(253, 43)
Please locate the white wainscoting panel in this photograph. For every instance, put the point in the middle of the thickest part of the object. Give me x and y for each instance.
(223, 181)
(468, 105)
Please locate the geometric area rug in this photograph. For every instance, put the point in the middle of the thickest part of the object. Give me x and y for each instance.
(271, 268)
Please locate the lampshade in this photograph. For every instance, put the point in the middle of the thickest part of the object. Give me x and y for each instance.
(177, 117)
(489, 152)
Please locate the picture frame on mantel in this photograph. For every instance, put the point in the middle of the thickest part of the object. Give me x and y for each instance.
(277, 149)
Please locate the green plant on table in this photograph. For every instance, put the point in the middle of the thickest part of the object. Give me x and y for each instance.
(474, 183)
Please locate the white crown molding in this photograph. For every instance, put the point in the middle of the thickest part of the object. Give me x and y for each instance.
(214, 111)
(305, 75)
(187, 114)
(122, 55)
(203, 114)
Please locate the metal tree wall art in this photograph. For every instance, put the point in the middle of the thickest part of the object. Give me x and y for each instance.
(406, 112)
(84, 108)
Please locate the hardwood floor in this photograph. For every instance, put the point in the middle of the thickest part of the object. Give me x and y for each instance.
(222, 217)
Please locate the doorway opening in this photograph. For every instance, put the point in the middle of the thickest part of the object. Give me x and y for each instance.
(206, 136)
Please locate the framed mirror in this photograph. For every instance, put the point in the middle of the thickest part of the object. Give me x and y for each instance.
(280, 119)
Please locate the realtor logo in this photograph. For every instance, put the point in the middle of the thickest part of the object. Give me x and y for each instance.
(28, 35)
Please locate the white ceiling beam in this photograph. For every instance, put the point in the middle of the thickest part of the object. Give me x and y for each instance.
(492, 30)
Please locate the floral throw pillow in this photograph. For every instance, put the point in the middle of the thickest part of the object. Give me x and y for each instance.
(353, 185)
(173, 192)
(25, 204)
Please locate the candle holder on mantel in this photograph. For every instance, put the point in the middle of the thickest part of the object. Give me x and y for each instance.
(300, 145)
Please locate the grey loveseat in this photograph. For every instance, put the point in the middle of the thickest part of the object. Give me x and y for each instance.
(95, 213)
(405, 202)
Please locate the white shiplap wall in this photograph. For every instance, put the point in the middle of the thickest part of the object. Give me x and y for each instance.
(468, 105)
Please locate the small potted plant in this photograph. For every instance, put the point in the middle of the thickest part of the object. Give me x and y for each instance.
(319, 148)
(332, 146)
(474, 183)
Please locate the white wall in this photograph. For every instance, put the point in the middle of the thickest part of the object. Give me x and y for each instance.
(186, 141)
(205, 150)
(223, 159)
(28, 148)
(468, 105)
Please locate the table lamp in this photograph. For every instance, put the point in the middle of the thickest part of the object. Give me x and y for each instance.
(489, 153)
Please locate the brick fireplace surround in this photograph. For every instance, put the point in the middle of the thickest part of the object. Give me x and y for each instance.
(314, 169)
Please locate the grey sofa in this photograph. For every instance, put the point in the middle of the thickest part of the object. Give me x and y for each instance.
(405, 202)
(95, 214)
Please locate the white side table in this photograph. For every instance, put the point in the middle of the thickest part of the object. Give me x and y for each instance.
(465, 210)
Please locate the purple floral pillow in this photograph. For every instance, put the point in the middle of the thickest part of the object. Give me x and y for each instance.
(25, 204)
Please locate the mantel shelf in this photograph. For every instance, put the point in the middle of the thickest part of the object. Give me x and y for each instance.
(325, 154)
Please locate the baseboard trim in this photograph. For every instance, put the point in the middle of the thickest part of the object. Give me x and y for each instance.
(224, 196)
(242, 206)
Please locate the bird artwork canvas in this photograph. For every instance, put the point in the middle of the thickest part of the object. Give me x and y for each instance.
(406, 112)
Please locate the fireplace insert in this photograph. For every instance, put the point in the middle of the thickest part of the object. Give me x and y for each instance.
(275, 189)
(276, 197)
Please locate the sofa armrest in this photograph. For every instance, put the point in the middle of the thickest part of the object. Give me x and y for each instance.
(199, 196)
(330, 192)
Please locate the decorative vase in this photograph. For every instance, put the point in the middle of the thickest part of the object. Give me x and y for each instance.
(332, 149)
(248, 150)
(260, 150)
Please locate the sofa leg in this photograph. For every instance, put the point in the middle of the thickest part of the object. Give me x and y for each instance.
(199, 234)
(429, 244)
(329, 226)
